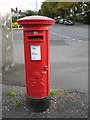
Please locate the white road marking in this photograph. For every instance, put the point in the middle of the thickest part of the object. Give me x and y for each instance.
(68, 37)
(55, 33)
(7, 35)
(63, 36)
(73, 39)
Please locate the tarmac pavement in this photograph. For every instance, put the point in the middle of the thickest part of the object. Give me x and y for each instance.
(69, 59)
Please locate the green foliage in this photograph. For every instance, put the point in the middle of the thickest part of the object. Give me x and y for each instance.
(54, 9)
(88, 13)
(87, 18)
(74, 17)
(65, 93)
(58, 108)
(66, 6)
(79, 19)
(76, 23)
(70, 18)
(52, 92)
(11, 94)
(15, 25)
(30, 12)
(45, 9)
(18, 104)
(14, 19)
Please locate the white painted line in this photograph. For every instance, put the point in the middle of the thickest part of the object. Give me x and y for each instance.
(68, 37)
(63, 36)
(55, 33)
(73, 39)
(7, 35)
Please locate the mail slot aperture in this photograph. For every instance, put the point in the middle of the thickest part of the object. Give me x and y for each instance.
(35, 37)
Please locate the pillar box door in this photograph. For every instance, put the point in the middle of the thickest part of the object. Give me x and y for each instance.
(38, 82)
(36, 31)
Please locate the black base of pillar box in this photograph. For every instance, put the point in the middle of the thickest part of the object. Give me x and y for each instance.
(38, 105)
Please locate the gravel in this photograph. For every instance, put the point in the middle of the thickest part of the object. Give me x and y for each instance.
(72, 105)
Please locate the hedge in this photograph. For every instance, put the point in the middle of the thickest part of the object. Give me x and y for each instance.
(15, 25)
(81, 20)
(87, 18)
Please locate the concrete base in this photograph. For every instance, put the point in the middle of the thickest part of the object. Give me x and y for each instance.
(38, 105)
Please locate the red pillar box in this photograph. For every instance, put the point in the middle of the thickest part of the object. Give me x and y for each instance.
(36, 30)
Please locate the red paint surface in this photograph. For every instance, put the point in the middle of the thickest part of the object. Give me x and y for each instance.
(37, 71)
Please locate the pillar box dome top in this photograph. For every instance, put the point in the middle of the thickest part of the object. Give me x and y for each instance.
(36, 20)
